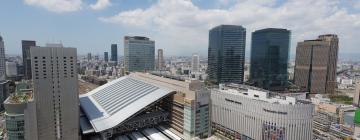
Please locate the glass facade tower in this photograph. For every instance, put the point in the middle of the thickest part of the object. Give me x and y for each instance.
(114, 54)
(269, 58)
(139, 53)
(226, 54)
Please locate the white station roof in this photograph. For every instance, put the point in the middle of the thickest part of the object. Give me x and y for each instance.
(109, 105)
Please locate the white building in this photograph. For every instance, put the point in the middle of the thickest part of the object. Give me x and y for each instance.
(56, 97)
(243, 112)
(11, 69)
(195, 63)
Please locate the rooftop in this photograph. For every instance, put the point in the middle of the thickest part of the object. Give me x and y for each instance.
(260, 94)
(111, 104)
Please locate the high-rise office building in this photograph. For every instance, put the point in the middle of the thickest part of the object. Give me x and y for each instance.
(55, 93)
(226, 54)
(269, 58)
(2, 60)
(89, 57)
(139, 53)
(315, 64)
(160, 60)
(114, 53)
(106, 56)
(195, 63)
(26, 45)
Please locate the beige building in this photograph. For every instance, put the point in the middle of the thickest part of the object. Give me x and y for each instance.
(315, 65)
(160, 62)
(56, 100)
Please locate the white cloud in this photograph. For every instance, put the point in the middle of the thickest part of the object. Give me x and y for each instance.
(58, 6)
(100, 4)
(357, 5)
(180, 26)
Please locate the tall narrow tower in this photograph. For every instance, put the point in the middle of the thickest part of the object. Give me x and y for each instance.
(26, 45)
(195, 63)
(160, 59)
(55, 93)
(2, 60)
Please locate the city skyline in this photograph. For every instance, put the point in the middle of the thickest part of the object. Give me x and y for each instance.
(109, 25)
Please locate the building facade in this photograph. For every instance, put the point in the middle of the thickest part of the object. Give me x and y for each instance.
(2, 60)
(226, 54)
(106, 56)
(114, 53)
(15, 106)
(248, 113)
(26, 45)
(315, 64)
(356, 94)
(269, 58)
(56, 100)
(195, 63)
(139, 53)
(160, 64)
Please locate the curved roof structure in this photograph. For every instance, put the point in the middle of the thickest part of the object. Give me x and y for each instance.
(111, 104)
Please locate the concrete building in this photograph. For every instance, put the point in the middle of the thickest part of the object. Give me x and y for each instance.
(26, 45)
(226, 54)
(315, 64)
(114, 53)
(142, 101)
(160, 64)
(139, 53)
(269, 58)
(195, 63)
(15, 106)
(56, 100)
(11, 69)
(106, 56)
(249, 113)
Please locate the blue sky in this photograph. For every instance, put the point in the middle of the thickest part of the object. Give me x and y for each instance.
(180, 27)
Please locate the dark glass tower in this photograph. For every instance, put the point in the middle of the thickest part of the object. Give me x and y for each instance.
(226, 54)
(106, 56)
(269, 58)
(26, 45)
(114, 56)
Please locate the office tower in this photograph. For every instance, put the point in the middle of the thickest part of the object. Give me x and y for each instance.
(195, 62)
(56, 97)
(26, 45)
(106, 56)
(89, 57)
(269, 58)
(315, 64)
(226, 54)
(248, 113)
(114, 52)
(160, 60)
(139, 53)
(2, 60)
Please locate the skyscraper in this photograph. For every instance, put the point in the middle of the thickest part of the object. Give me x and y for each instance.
(89, 57)
(160, 60)
(26, 45)
(2, 60)
(114, 56)
(139, 53)
(226, 54)
(55, 93)
(269, 58)
(195, 62)
(315, 65)
(106, 56)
